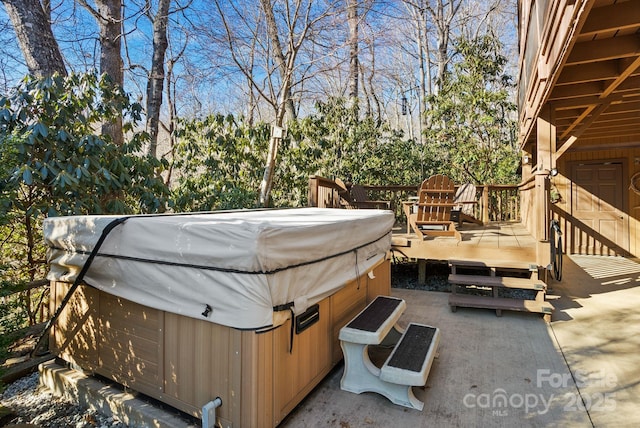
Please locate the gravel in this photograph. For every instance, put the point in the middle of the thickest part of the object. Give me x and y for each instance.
(32, 404)
(404, 274)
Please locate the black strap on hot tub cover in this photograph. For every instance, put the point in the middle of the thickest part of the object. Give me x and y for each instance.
(92, 255)
(78, 279)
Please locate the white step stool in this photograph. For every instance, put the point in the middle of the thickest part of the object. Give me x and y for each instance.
(408, 364)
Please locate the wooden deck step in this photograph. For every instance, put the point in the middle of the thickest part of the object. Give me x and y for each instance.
(499, 264)
(412, 357)
(497, 281)
(499, 304)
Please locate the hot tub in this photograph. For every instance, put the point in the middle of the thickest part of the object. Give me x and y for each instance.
(243, 305)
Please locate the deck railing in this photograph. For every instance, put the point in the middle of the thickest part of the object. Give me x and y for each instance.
(495, 202)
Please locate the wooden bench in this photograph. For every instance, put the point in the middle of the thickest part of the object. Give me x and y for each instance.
(408, 364)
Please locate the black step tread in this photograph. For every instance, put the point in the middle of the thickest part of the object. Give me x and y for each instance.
(411, 351)
(374, 315)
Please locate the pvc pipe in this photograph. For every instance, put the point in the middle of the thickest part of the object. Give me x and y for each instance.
(209, 413)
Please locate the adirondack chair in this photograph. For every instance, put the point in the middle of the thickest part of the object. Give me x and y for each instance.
(356, 198)
(465, 200)
(433, 210)
(361, 199)
(345, 195)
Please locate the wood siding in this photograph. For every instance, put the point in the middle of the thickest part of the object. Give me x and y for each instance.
(575, 232)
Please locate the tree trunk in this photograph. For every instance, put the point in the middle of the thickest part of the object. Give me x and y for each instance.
(155, 83)
(33, 31)
(284, 67)
(442, 18)
(109, 17)
(284, 104)
(352, 18)
(269, 170)
(425, 72)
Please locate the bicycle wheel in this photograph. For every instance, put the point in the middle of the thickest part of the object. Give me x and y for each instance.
(557, 259)
(552, 247)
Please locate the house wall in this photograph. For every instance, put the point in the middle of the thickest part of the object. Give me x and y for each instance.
(629, 157)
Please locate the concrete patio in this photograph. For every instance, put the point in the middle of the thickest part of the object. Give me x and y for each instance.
(583, 369)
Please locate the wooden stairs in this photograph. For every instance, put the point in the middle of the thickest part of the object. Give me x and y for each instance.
(493, 285)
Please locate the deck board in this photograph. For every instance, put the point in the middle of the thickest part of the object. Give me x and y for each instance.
(498, 240)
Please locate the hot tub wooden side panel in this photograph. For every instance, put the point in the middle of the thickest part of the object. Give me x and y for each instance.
(186, 362)
(202, 361)
(110, 336)
(74, 337)
(351, 299)
(380, 284)
(297, 372)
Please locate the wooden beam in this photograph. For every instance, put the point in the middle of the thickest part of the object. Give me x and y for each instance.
(624, 81)
(580, 129)
(577, 90)
(612, 17)
(574, 103)
(598, 126)
(546, 143)
(629, 128)
(578, 121)
(573, 74)
(564, 114)
(623, 107)
(604, 49)
(619, 117)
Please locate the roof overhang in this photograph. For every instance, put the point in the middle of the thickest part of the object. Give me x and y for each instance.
(593, 93)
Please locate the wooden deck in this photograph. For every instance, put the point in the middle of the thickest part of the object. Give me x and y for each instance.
(504, 241)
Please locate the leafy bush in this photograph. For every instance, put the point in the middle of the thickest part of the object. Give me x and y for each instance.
(335, 142)
(219, 162)
(54, 161)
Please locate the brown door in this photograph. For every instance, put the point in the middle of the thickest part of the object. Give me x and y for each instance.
(598, 205)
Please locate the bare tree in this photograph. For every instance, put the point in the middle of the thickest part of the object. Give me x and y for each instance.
(108, 15)
(354, 68)
(286, 65)
(277, 36)
(285, 103)
(442, 17)
(33, 30)
(419, 19)
(176, 53)
(155, 82)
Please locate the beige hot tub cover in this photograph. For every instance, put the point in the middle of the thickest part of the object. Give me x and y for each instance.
(232, 268)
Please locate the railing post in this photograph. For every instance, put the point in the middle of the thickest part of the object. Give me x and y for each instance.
(313, 191)
(485, 204)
